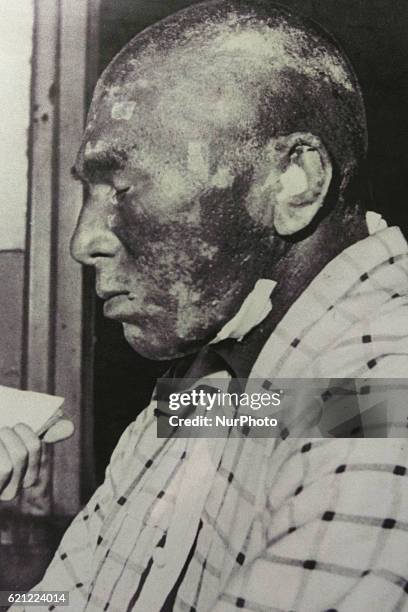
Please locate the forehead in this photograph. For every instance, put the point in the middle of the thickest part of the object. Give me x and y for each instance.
(200, 86)
(167, 100)
(132, 133)
(125, 134)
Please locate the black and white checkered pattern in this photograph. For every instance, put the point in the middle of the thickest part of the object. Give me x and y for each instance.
(293, 524)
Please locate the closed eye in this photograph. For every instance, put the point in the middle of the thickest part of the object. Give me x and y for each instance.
(120, 193)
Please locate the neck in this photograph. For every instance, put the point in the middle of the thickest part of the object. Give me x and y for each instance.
(299, 261)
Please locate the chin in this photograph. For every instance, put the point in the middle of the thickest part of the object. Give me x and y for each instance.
(154, 348)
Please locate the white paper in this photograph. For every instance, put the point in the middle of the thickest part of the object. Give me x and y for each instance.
(37, 410)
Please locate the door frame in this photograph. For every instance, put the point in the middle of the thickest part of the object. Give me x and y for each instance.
(58, 321)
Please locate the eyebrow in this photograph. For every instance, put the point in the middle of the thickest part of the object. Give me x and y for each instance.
(96, 164)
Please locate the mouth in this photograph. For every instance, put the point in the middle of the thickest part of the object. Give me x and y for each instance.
(107, 295)
(118, 305)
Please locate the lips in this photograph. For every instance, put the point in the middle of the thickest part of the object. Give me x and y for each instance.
(108, 294)
(118, 306)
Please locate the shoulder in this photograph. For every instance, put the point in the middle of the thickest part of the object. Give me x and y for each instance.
(360, 476)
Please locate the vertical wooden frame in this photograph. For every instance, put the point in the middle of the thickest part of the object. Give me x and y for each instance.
(38, 342)
(38, 337)
(64, 59)
(68, 312)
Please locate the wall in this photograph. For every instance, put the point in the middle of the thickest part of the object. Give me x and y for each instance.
(41, 327)
(16, 27)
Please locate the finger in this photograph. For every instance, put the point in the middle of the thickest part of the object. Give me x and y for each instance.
(33, 445)
(6, 467)
(62, 429)
(18, 454)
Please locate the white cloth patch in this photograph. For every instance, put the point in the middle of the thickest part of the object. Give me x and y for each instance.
(256, 306)
(375, 222)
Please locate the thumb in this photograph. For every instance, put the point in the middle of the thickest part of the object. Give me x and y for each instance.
(62, 429)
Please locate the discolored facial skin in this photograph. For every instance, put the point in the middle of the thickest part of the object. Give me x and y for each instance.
(210, 136)
(165, 226)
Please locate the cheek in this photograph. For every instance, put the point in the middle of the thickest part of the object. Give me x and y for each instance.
(130, 228)
(169, 250)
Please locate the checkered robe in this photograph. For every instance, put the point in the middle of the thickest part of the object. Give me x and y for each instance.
(283, 525)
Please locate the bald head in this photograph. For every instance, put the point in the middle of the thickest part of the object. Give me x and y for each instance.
(213, 142)
(230, 75)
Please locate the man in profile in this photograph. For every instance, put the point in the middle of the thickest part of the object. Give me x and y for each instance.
(222, 158)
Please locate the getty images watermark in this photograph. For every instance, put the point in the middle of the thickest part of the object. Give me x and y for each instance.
(207, 399)
(213, 407)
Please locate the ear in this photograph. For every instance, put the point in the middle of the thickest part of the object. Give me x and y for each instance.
(302, 182)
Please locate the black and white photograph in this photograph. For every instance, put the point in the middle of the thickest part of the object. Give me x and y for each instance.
(204, 305)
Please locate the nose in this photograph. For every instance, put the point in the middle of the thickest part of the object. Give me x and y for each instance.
(93, 239)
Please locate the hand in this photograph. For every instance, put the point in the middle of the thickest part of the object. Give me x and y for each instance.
(20, 455)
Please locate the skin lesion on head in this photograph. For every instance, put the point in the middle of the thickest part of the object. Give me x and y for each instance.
(123, 110)
(219, 85)
(182, 120)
